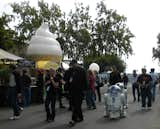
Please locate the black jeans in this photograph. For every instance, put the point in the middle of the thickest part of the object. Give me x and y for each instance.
(50, 99)
(98, 93)
(60, 97)
(76, 101)
(14, 100)
(146, 93)
(40, 95)
(134, 88)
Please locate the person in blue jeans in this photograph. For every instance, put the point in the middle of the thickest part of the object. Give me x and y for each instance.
(90, 93)
(154, 82)
(135, 86)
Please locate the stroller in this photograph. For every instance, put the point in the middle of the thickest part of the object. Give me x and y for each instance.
(114, 102)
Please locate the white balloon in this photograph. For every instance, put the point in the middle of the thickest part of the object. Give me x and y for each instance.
(65, 65)
(94, 67)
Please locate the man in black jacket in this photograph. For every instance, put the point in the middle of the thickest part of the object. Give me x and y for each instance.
(115, 76)
(26, 81)
(77, 84)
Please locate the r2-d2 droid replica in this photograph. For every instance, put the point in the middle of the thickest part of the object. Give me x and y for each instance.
(114, 102)
(124, 91)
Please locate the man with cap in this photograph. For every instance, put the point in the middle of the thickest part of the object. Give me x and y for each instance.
(77, 79)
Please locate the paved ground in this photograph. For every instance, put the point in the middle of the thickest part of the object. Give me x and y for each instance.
(33, 117)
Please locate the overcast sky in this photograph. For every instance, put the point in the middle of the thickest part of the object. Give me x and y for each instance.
(143, 19)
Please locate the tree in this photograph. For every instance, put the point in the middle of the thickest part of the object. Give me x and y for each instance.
(105, 62)
(6, 34)
(156, 51)
(31, 18)
(110, 34)
(78, 34)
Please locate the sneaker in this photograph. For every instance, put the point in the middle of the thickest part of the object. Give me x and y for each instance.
(89, 108)
(79, 120)
(143, 108)
(52, 119)
(48, 120)
(93, 107)
(14, 117)
(71, 123)
(62, 106)
(149, 108)
(21, 108)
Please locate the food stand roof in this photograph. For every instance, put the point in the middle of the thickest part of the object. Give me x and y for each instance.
(4, 55)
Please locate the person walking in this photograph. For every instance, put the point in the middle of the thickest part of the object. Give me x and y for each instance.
(51, 84)
(144, 81)
(125, 80)
(135, 86)
(78, 83)
(115, 76)
(15, 91)
(67, 87)
(90, 93)
(59, 75)
(98, 85)
(154, 83)
(26, 82)
(40, 86)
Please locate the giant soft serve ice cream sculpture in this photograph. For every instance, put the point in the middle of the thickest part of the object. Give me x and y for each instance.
(45, 49)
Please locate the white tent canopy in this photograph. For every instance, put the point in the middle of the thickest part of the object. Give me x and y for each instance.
(4, 55)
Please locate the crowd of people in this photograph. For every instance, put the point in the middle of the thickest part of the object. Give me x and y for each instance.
(78, 85)
(145, 87)
(19, 90)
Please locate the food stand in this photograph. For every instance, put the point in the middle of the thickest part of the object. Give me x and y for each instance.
(6, 59)
(44, 49)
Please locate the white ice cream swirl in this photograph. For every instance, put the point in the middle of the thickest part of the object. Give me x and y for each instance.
(43, 44)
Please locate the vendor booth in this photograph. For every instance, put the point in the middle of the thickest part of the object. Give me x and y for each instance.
(6, 59)
(44, 49)
(4, 55)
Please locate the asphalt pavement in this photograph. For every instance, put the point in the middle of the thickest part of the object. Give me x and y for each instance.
(33, 117)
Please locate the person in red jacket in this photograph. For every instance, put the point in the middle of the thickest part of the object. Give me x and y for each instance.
(90, 95)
